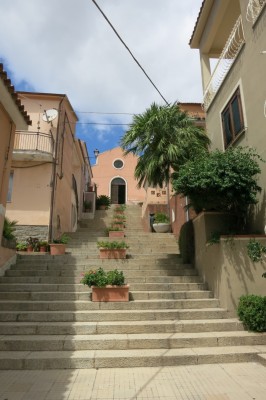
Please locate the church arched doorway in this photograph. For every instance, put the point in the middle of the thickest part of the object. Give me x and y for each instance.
(118, 191)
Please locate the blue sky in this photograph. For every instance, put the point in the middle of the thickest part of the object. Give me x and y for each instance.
(66, 46)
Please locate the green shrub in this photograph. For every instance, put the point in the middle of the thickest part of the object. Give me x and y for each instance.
(63, 239)
(255, 250)
(103, 200)
(9, 228)
(161, 218)
(101, 278)
(112, 245)
(186, 242)
(252, 312)
(221, 181)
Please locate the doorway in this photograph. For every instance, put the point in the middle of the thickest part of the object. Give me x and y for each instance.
(118, 191)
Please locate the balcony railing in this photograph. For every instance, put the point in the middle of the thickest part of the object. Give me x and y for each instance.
(28, 141)
(254, 8)
(226, 59)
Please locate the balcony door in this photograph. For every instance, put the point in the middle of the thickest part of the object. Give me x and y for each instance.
(118, 191)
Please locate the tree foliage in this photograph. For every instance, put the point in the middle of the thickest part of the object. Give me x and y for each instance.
(163, 137)
(222, 181)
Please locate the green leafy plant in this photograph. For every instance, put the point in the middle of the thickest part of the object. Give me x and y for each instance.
(87, 205)
(9, 228)
(101, 278)
(118, 222)
(103, 200)
(34, 243)
(121, 207)
(21, 246)
(161, 218)
(120, 217)
(63, 239)
(214, 239)
(112, 245)
(113, 229)
(255, 250)
(264, 275)
(221, 181)
(252, 312)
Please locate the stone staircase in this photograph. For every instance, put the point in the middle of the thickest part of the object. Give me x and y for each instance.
(48, 321)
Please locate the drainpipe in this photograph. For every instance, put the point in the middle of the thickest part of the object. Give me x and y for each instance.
(50, 228)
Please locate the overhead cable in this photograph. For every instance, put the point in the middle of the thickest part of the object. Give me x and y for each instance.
(130, 52)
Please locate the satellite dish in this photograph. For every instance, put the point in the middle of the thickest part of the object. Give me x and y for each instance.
(49, 115)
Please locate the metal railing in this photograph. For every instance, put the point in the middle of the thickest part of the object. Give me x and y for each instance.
(226, 59)
(253, 9)
(34, 141)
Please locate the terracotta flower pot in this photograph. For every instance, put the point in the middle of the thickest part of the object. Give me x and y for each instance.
(30, 249)
(110, 293)
(43, 249)
(116, 234)
(57, 249)
(112, 253)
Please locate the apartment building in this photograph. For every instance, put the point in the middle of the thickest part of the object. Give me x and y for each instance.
(231, 38)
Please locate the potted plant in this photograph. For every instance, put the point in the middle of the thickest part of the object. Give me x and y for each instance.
(119, 217)
(87, 205)
(112, 249)
(21, 246)
(106, 285)
(115, 232)
(103, 202)
(161, 223)
(33, 244)
(58, 246)
(120, 209)
(118, 224)
(43, 246)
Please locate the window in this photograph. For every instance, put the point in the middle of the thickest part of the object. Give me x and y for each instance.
(232, 119)
(10, 186)
(118, 164)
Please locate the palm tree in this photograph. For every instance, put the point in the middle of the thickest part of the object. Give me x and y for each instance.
(163, 137)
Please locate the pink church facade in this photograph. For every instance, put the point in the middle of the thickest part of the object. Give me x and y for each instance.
(113, 175)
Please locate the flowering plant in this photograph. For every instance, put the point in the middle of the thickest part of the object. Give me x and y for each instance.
(101, 278)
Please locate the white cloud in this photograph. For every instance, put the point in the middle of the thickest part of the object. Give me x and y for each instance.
(66, 46)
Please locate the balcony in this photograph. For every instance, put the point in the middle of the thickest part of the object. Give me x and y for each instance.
(33, 146)
(227, 57)
(254, 9)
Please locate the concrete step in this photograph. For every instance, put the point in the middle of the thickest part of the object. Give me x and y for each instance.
(77, 274)
(112, 315)
(32, 360)
(71, 280)
(129, 341)
(133, 295)
(77, 288)
(87, 305)
(113, 327)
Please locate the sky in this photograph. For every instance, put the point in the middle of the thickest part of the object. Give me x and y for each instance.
(66, 46)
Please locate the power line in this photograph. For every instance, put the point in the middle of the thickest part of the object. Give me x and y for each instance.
(130, 52)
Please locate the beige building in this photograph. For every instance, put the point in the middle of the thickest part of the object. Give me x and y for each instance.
(231, 38)
(50, 169)
(12, 117)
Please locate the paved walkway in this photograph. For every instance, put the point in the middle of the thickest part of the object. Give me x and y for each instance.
(245, 381)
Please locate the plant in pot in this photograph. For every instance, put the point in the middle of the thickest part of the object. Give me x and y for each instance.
(33, 244)
(103, 202)
(113, 249)
(21, 246)
(120, 209)
(118, 224)
(106, 285)
(115, 231)
(161, 223)
(43, 246)
(87, 205)
(58, 246)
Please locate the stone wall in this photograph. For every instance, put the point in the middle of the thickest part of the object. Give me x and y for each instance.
(22, 232)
